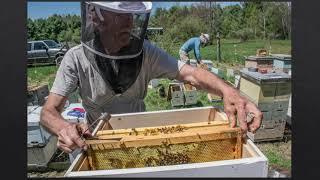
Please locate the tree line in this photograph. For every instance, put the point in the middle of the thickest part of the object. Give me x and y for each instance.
(247, 20)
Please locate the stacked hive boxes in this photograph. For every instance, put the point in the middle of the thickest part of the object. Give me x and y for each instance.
(182, 94)
(175, 94)
(36, 95)
(282, 62)
(190, 94)
(262, 63)
(271, 93)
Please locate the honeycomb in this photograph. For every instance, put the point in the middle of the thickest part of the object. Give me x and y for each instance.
(223, 146)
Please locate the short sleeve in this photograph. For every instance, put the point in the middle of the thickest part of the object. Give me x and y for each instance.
(66, 80)
(162, 65)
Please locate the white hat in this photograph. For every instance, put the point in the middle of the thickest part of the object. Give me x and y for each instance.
(124, 7)
(204, 38)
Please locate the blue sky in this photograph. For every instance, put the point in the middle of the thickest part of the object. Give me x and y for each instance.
(44, 9)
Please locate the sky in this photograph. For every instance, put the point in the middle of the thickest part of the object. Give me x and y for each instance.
(38, 10)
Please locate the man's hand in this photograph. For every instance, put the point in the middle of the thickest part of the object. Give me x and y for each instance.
(69, 137)
(238, 108)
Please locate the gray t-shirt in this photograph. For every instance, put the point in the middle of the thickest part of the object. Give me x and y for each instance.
(77, 72)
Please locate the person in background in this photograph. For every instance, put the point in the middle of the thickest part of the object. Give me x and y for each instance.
(193, 44)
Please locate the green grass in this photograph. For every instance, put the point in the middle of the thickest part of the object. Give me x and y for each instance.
(154, 102)
(275, 159)
(233, 52)
(41, 75)
(46, 74)
(278, 154)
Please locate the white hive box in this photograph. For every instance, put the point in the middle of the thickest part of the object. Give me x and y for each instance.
(153, 83)
(41, 144)
(237, 81)
(230, 72)
(36, 133)
(217, 71)
(282, 62)
(252, 164)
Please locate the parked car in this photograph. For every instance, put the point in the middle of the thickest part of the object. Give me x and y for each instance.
(45, 51)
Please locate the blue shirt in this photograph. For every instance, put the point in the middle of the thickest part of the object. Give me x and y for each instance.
(192, 44)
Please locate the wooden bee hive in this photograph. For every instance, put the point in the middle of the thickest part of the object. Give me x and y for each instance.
(175, 94)
(190, 94)
(164, 145)
(174, 143)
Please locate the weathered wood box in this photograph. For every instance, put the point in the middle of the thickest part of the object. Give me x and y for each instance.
(218, 149)
(269, 130)
(271, 93)
(190, 94)
(260, 62)
(175, 94)
(36, 95)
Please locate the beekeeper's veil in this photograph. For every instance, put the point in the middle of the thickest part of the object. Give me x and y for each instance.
(114, 30)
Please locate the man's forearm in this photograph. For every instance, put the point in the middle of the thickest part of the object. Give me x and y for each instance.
(52, 120)
(207, 81)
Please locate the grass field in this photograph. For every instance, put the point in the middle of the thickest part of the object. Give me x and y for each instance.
(233, 52)
(279, 154)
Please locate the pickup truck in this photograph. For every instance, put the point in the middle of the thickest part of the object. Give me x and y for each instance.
(45, 52)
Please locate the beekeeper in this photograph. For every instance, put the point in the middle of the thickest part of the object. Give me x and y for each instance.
(112, 67)
(193, 44)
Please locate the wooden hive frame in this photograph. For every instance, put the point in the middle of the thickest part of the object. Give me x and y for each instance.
(166, 135)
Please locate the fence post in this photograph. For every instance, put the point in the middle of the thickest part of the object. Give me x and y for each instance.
(218, 47)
